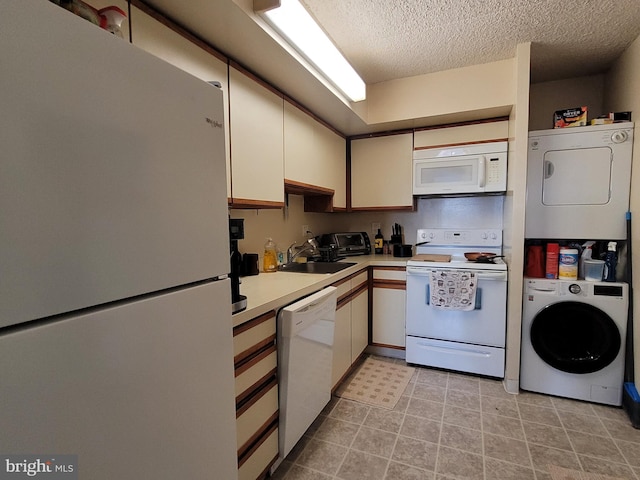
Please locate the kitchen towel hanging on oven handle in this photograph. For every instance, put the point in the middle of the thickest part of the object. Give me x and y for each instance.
(452, 290)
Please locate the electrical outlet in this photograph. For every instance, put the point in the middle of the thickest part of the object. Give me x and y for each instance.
(374, 227)
(305, 229)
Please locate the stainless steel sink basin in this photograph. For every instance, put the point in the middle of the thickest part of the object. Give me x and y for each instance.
(315, 267)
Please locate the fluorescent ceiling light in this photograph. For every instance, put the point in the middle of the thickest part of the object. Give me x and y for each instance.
(293, 21)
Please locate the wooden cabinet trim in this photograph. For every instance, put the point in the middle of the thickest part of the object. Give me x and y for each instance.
(259, 394)
(249, 324)
(300, 188)
(260, 355)
(400, 208)
(244, 203)
(447, 145)
(239, 359)
(393, 284)
(462, 124)
(312, 115)
(395, 347)
(240, 399)
(256, 439)
(394, 268)
(265, 431)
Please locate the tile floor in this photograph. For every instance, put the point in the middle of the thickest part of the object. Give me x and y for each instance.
(455, 426)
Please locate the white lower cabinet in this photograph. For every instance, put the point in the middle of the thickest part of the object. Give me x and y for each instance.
(255, 359)
(351, 334)
(388, 307)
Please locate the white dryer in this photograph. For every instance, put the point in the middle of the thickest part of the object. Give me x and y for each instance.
(578, 182)
(573, 339)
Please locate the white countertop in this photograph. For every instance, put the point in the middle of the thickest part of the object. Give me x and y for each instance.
(269, 291)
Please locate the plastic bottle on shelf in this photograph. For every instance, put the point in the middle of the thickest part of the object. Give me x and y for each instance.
(551, 269)
(587, 254)
(610, 262)
(379, 242)
(270, 258)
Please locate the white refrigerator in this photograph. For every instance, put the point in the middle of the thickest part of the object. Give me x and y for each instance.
(115, 308)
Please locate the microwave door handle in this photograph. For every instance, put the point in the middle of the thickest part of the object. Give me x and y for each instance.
(482, 171)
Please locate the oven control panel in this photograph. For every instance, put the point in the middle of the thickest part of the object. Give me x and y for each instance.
(460, 237)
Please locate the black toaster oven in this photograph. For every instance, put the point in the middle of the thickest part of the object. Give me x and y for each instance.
(347, 243)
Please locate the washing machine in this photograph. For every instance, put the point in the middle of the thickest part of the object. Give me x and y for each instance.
(573, 339)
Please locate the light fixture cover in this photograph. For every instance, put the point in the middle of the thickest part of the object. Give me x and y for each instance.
(297, 26)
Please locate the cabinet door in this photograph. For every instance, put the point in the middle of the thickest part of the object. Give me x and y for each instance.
(359, 324)
(381, 172)
(161, 41)
(388, 306)
(341, 343)
(313, 154)
(473, 133)
(256, 127)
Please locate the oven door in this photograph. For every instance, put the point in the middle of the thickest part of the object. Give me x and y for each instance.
(484, 325)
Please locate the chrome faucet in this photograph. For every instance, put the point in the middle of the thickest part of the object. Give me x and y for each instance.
(294, 250)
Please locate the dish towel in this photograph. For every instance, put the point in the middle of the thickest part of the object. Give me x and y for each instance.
(453, 289)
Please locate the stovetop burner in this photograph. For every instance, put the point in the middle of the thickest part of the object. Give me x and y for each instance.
(455, 243)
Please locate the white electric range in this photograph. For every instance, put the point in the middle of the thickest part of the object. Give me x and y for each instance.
(456, 309)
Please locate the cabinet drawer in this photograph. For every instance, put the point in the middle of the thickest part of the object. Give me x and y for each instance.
(255, 415)
(390, 273)
(256, 462)
(254, 335)
(359, 279)
(343, 286)
(251, 374)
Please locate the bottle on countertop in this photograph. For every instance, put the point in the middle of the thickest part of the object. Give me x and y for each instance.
(610, 262)
(270, 258)
(379, 242)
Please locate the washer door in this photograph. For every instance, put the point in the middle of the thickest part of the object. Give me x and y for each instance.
(575, 337)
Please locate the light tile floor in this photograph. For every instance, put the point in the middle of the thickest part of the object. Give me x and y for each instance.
(455, 426)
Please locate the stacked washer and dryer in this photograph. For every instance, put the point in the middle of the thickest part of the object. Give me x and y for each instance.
(573, 331)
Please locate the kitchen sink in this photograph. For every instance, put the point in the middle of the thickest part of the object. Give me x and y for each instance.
(315, 267)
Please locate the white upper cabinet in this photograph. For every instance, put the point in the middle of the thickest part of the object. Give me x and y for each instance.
(257, 153)
(161, 41)
(381, 169)
(314, 155)
(459, 134)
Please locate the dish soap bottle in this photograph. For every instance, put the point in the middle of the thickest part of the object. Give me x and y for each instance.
(378, 242)
(270, 258)
(610, 261)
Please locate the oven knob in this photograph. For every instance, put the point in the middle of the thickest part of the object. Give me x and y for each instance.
(575, 288)
(493, 236)
(423, 235)
(432, 235)
(484, 235)
(619, 136)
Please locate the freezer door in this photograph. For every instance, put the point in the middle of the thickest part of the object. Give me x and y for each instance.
(112, 173)
(142, 390)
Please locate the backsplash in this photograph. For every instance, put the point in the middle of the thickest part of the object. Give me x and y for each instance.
(285, 226)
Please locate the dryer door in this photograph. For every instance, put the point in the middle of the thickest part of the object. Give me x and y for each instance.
(575, 337)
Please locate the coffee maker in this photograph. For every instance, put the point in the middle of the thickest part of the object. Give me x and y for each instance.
(236, 232)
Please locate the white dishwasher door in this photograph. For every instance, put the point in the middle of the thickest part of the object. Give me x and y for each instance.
(305, 353)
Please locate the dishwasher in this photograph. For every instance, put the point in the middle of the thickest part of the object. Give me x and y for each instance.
(305, 358)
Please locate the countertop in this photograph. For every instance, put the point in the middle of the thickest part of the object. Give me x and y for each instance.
(269, 291)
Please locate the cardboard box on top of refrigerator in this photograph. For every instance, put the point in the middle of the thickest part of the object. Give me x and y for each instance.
(570, 117)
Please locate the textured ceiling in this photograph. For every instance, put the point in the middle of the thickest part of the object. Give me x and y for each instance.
(388, 39)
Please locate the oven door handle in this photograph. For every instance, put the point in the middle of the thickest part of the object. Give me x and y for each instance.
(478, 305)
(490, 276)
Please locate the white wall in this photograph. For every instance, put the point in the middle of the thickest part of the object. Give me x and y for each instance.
(545, 98)
(622, 87)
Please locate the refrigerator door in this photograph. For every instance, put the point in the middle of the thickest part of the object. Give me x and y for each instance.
(112, 173)
(138, 390)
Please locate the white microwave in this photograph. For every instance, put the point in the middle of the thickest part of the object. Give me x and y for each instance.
(462, 169)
